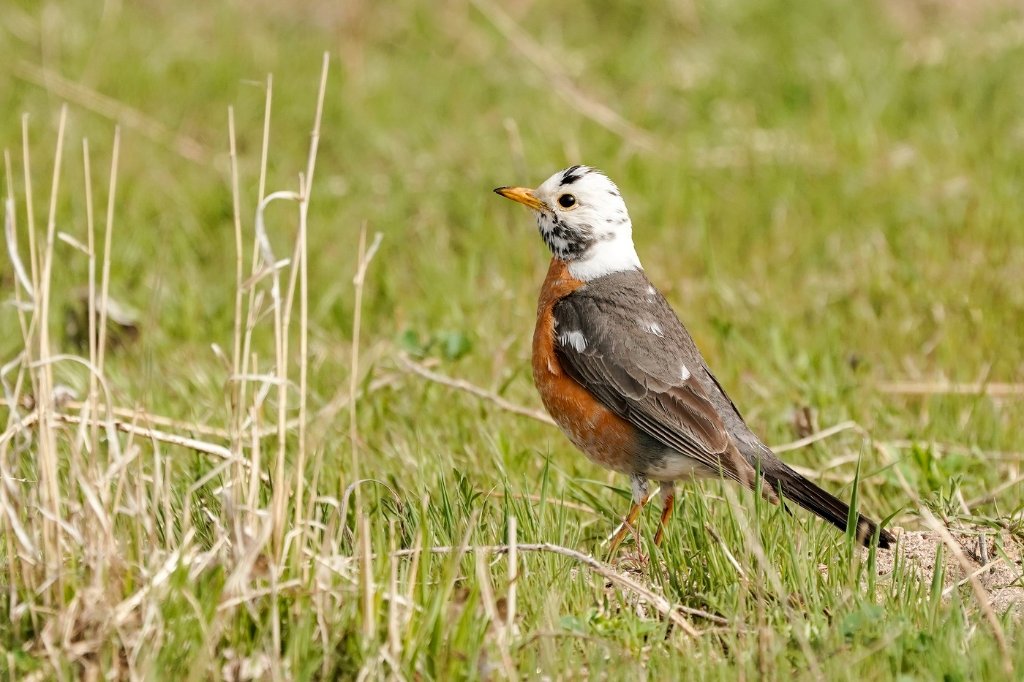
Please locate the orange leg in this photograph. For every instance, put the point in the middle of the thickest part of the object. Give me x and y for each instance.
(668, 504)
(629, 524)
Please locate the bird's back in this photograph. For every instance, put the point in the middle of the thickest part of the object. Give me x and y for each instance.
(628, 301)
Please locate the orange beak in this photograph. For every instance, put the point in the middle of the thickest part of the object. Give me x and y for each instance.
(522, 195)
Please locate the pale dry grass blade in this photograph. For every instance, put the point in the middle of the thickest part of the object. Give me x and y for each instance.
(659, 602)
(769, 571)
(48, 456)
(11, 237)
(816, 437)
(90, 227)
(302, 255)
(561, 84)
(473, 389)
(253, 303)
(235, 387)
(366, 579)
(280, 490)
(925, 388)
(124, 426)
(29, 204)
(108, 242)
(483, 581)
(365, 257)
(112, 109)
(994, 493)
(513, 571)
(981, 597)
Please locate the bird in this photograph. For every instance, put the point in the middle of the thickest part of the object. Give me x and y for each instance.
(621, 376)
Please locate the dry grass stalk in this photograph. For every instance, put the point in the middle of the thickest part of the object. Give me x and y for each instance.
(659, 602)
(497, 623)
(816, 437)
(253, 303)
(48, 456)
(994, 389)
(132, 428)
(108, 241)
(973, 575)
(11, 237)
(473, 389)
(513, 571)
(21, 551)
(462, 385)
(767, 570)
(366, 578)
(301, 249)
(561, 84)
(33, 251)
(954, 547)
(235, 389)
(112, 109)
(993, 494)
(365, 257)
(112, 503)
(93, 397)
(394, 635)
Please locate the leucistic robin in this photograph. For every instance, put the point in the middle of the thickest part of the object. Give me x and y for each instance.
(619, 373)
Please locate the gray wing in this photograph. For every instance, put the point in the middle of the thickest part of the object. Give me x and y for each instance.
(631, 356)
(622, 341)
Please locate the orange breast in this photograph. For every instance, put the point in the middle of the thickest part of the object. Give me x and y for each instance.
(603, 436)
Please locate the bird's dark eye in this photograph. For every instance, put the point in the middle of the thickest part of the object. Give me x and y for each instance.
(567, 201)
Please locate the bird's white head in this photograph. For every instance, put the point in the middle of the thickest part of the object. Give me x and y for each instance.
(583, 220)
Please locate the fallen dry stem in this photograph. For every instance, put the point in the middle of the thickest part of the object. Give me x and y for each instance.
(461, 385)
(112, 109)
(162, 436)
(947, 538)
(991, 495)
(660, 603)
(537, 498)
(509, 406)
(585, 103)
(302, 255)
(994, 390)
(816, 437)
(972, 575)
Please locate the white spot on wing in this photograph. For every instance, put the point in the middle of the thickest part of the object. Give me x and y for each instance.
(653, 327)
(651, 291)
(684, 373)
(575, 339)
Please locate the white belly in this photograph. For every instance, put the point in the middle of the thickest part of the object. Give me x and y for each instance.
(677, 467)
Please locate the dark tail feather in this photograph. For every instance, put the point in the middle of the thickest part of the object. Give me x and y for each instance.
(812, 498)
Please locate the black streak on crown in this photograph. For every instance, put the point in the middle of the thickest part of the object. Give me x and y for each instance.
(570, 176)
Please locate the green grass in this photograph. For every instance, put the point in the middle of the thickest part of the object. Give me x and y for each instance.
(833, 200)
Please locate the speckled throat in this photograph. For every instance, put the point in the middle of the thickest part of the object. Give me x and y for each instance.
(565, 242)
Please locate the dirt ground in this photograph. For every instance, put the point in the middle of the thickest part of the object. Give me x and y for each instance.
(1002, 581)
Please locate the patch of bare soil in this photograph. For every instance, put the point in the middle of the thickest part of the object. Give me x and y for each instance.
(996, 560)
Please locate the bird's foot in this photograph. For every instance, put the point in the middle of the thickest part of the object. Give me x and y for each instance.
(633, 560)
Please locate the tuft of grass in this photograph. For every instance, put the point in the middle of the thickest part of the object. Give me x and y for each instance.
(316, 455)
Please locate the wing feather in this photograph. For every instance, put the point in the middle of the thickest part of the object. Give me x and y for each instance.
(640, 376)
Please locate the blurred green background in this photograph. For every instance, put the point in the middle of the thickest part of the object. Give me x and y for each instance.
(830, 196)
(828, 192)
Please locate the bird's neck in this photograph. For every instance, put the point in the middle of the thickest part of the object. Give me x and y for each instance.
(605, 257)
